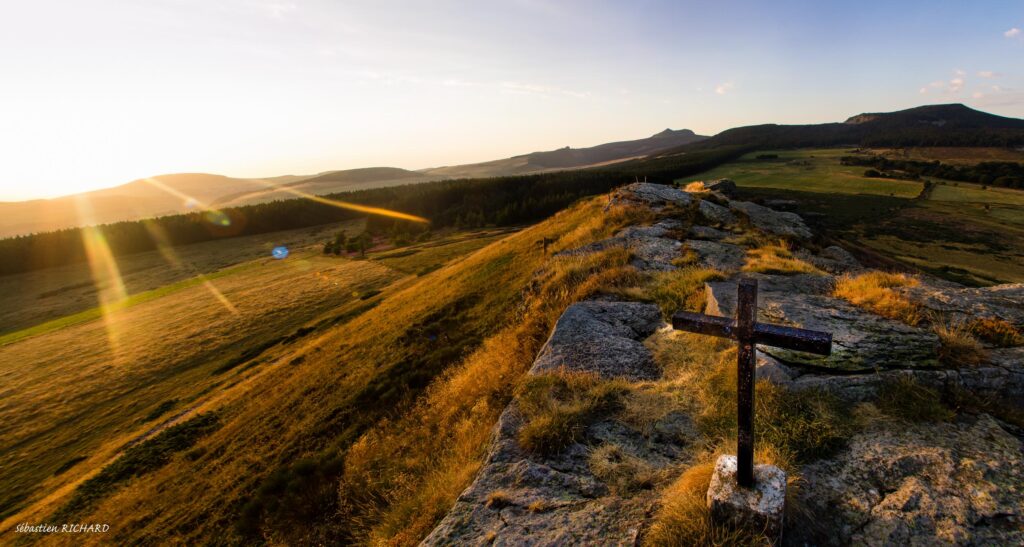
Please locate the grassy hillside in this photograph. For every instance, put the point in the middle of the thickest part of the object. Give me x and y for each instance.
(961, 231)
(284, 415)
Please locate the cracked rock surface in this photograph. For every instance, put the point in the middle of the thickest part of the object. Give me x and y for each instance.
(935, 484)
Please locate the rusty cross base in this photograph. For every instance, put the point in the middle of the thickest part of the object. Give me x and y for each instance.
(748, 333)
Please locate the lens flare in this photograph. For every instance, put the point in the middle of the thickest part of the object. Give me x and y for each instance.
(163, 245)
(106, 275)
(346, 205)
(279, 253)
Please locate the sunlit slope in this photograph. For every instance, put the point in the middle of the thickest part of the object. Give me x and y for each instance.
(80, 392)
(321, 392)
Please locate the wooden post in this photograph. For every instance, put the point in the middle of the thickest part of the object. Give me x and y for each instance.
(748, 333)
(746, 308)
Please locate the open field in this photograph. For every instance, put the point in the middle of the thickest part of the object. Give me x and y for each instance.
(297, 402)
(80, 388)
(32, 298)
(808, 171)
(959, 231)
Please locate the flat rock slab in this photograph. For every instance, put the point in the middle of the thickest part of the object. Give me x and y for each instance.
(861, 341)
(653, 247)
(760, 507)
(926, 484)
(719, 256)
(520, 498)
(655, 195)
(602, 337)
(770, 221)
(1004, 302)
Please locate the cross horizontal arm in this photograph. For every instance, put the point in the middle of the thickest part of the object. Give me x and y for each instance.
(770, 335)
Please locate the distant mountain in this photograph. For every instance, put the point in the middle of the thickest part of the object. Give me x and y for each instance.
(570, 158)
(176, 193)
(327, 183)
(932, 125)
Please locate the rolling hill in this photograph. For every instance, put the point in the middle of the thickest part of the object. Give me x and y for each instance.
(932, 125)
(570, 158)
(177, 193)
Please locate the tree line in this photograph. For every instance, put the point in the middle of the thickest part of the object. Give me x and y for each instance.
(462, 203)
(1005, 174)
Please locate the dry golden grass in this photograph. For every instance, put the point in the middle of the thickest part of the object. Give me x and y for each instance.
(874, 292)
(557, 407)
(777, 259)
(792, 427)
(681, 289)
(904, 398)
(622, 472)
(957, 345)
(997, 332)
(74, 394)
(402, 476)
(683, 519)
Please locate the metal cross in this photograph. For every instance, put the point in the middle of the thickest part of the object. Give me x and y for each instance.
(748, 332)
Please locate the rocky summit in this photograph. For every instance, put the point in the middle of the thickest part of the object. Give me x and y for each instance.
(953, 480)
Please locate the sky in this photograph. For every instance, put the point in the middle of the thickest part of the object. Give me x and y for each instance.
(99, 93)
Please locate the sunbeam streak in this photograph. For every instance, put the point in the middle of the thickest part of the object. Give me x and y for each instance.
(106, 275)
(346, 205)
(163, 245)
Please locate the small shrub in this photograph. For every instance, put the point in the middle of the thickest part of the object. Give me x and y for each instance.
(958, 347)
(682, 289)
(688, 257)
(906, 399)
(539, 506)
(559, 406)
(498, 499)
(622, 472)
(998, 332)
(805, 425)
(873, 291)
(777, 259)
(142, 458)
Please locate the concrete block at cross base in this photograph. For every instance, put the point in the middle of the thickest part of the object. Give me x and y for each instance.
(759, 507)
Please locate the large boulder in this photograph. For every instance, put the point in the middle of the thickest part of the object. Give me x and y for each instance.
(772, 222)
(931, 484)
(653, 247)
(861, 341)
(719, 256)
(1004, 302)
(602, 337)
(654, 195)
(725, 187)
(716, 214)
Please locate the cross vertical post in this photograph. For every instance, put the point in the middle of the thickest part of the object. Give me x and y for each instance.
(746, 310)
(748, 333)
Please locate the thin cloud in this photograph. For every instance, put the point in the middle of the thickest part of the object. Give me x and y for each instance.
(1012, 33)
(723, 88)
(988, 74)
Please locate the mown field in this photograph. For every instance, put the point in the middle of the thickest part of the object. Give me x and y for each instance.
(960, 231)
(80, 388)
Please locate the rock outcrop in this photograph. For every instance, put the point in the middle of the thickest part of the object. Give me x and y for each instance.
(521, 498)
(602, 337)
(948, 483)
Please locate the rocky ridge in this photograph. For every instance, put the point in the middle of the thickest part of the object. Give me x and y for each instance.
(889, 487)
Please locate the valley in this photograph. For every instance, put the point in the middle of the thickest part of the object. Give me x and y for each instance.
(957, 230)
